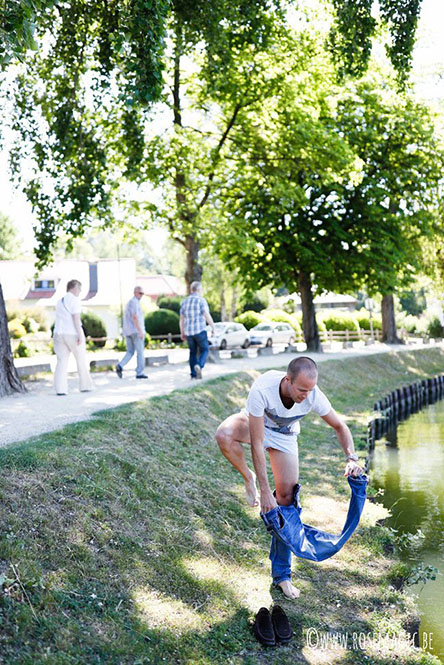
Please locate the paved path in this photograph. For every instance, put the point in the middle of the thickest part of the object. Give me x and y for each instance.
(40, 410)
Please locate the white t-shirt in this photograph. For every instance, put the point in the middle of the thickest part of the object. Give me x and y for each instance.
(65, 308)
(280, 422)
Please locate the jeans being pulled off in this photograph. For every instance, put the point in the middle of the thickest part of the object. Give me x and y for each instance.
(290, 534)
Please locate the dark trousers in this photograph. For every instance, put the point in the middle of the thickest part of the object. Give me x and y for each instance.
(198, 345)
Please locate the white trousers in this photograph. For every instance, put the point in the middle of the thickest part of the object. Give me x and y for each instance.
(63, 346)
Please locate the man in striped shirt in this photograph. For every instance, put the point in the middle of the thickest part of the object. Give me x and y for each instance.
(194, 314)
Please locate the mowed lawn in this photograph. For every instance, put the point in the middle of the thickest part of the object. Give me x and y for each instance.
(126, 539)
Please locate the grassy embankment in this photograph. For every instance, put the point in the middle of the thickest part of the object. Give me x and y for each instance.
(126, 539)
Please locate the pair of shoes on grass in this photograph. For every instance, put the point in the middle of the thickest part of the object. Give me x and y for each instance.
(272, 628)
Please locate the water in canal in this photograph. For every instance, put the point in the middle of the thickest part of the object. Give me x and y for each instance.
(408, 464)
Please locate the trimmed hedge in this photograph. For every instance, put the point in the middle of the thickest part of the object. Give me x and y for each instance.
(93, 327)
(340, 322)
(364, 321)
(435, 329)
(170, 302)
(162, 322)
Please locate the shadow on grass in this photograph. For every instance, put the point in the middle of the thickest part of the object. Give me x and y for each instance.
(124, 542)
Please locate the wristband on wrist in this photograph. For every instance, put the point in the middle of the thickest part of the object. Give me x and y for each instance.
(352, 457)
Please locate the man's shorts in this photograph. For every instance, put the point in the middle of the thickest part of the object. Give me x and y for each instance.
(286, 443)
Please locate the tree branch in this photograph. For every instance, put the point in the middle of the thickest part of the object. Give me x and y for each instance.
(219, 147)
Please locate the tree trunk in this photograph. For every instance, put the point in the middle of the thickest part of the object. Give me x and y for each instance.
(10, 381)
(223, 304)
(234, 303)
(389, 332)
(193, 271)
(309, 325)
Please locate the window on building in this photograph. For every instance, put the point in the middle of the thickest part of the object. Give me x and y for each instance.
(44, 285)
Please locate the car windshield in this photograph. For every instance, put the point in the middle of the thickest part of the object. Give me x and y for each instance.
(262, 326)
(220, 326)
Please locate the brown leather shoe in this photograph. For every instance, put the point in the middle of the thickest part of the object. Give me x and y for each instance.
(282, 628)
(263, 628)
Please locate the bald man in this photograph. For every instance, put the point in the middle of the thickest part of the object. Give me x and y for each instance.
(276, 403)
(134, 330)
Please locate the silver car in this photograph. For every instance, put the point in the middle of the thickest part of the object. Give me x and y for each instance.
(272, 332)
(229, 334)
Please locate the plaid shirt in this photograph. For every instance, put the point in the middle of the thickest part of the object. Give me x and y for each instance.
(193, 309)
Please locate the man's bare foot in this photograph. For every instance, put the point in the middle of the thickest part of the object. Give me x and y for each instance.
(251, 491)
(289, 590)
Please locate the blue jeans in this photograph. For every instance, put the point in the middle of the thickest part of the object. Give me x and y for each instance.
(134, 345)
(198, 345)
(290, 534)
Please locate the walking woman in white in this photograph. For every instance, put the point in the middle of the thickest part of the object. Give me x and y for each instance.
(70, 338)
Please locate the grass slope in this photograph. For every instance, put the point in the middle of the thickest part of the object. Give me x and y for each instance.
(126, 539)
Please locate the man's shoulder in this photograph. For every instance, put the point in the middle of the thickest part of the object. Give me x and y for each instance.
(268, 379)
(71, 301)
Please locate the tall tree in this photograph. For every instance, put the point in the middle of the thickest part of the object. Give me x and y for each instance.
(396, 204)
(104, 62)
(351, 206)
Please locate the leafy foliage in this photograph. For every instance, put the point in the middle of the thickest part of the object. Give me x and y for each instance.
(249, 319)
(340, 321)
(351, 36)
(162, 322)
(170, 302)
(94, 327)
(9, 241)
(435, 328)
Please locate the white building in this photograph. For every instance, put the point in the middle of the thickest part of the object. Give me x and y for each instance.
(107, 285)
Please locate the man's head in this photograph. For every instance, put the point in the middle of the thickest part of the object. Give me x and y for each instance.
(138, 292)
(74, 286)
(302, 376)
(196, 287)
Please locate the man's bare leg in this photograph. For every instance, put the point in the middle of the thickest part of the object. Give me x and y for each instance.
(230, 435)
(285, 469)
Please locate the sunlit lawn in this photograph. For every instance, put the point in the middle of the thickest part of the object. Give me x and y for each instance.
(126, 539)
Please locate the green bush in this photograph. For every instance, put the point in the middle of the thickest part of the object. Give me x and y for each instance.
(22, 351)
(16, 329)
(340, 321)
(256, 302)
(364, 321)
(119, 344)
(162, 322)
(435, 329)
(249, 319)
(170, 302)
(93, 327)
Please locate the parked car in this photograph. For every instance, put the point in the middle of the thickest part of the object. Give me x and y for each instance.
(273, 332)
(229, 334)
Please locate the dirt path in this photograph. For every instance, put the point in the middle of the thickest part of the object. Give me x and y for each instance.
(40, 410)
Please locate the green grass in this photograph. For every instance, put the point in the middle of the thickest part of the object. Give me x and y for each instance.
(126, 539)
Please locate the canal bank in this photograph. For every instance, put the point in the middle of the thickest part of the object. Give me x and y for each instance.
(406, 463)
(142, 548)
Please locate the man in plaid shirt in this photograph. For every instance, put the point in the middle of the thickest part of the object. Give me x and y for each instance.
(194, 314)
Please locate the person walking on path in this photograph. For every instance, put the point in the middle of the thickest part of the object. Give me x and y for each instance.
(70, 338)
(134, 331)
(276, 403)
(194, 314)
